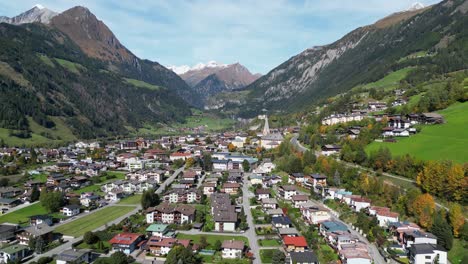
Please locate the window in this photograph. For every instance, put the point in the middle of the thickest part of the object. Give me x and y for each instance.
(427, 257)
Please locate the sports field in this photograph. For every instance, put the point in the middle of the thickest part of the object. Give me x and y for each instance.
(94, 220)
(436, 142)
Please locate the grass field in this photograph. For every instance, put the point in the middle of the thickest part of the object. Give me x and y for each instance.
(46, 60)
(142, 84)
(93, 220)
(459, 252)
(22, 215)
(269, 242)
(266, 255)
(212, 238)
(40, 135)
(436, 142)
(134, 199)
(71, 66)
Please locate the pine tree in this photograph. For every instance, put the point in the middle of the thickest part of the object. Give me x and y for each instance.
(441, 229)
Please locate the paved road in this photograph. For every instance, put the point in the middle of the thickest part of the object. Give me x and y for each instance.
(197, 232)
(169, 180)
(250, 233)
(10, 210)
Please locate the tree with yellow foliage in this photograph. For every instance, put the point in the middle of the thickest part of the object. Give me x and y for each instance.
(189, 162)
(457, 220)
(423, 209)
(231, 147)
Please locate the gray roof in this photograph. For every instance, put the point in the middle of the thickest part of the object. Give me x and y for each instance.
(416, 249)
(303, 257)
(38, 230)
(71, 255)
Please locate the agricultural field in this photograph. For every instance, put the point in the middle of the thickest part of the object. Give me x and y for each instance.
(94, 220)
(388, 82)
(435, 142)
(142, 84)
(22, 215)
(134, 199)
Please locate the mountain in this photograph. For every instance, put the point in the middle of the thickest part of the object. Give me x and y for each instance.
(97, 41)
(363, 56)
(212, 78)
(38, 14)
(72, 71)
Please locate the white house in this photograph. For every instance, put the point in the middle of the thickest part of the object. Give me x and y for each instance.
(71, 210)
(427, 253)
(232, 249)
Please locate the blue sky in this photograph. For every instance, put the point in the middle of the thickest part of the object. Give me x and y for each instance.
(260, 34)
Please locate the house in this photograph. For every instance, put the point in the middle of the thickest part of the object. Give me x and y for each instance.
(209, 188)
(180, 156)
(125, 242)
(296, 178)
(224, 213)
(10, 192)
(318, 180)
(230, 188)
(167, 213)
(43, 230)
(40, 219)
(427, 253)
(328, 150)
(299, 199)
(274, 212)
(290, 231)
(314, 214)
(182, 196)
(306, 257)
(383, 214)
(232, 249)
(281, 221)
(8, 232)
(356, 253)
(162, 246)
(262, 194)
(13, 253)
(360, 203)
(159, 230)
(222, 165)
(269, 203)
(75, 255)
(295, 243)
(256, 179)
(332, 226)
(418, 237)
(271, 141)
(287, 191)
(71, 210)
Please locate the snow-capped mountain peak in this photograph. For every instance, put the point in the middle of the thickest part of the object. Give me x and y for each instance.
(199, 66)
(416, 6)
(39, 6)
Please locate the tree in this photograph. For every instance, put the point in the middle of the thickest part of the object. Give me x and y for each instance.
(456, 217)
(231, 147)
(423, 208)
(246, 165)
(180, 254)
(218, 245)
(90, 238)
(441, 229)
(309, 158)
(149, 198)
(189, 162)
(119, 258)
(4, 182)
(39, 246)
(51, 201)
(35, 194)
(207, 162)
(203, 242)
(278, 257)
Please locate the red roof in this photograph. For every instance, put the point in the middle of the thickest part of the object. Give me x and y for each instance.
(125, 238)
(178, 154)
(299, 241)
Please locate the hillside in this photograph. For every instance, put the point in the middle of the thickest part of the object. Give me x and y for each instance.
(44, 75)
(363, 56)
(435, 142)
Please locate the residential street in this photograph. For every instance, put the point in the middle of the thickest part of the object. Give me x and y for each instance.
(250, 233)
(169, 180)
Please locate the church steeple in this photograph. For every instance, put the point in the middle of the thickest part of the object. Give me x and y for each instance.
(266, 127)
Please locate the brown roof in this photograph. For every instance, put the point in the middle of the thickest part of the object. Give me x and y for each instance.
(300, 197)
(231, 185)
(234, 244)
